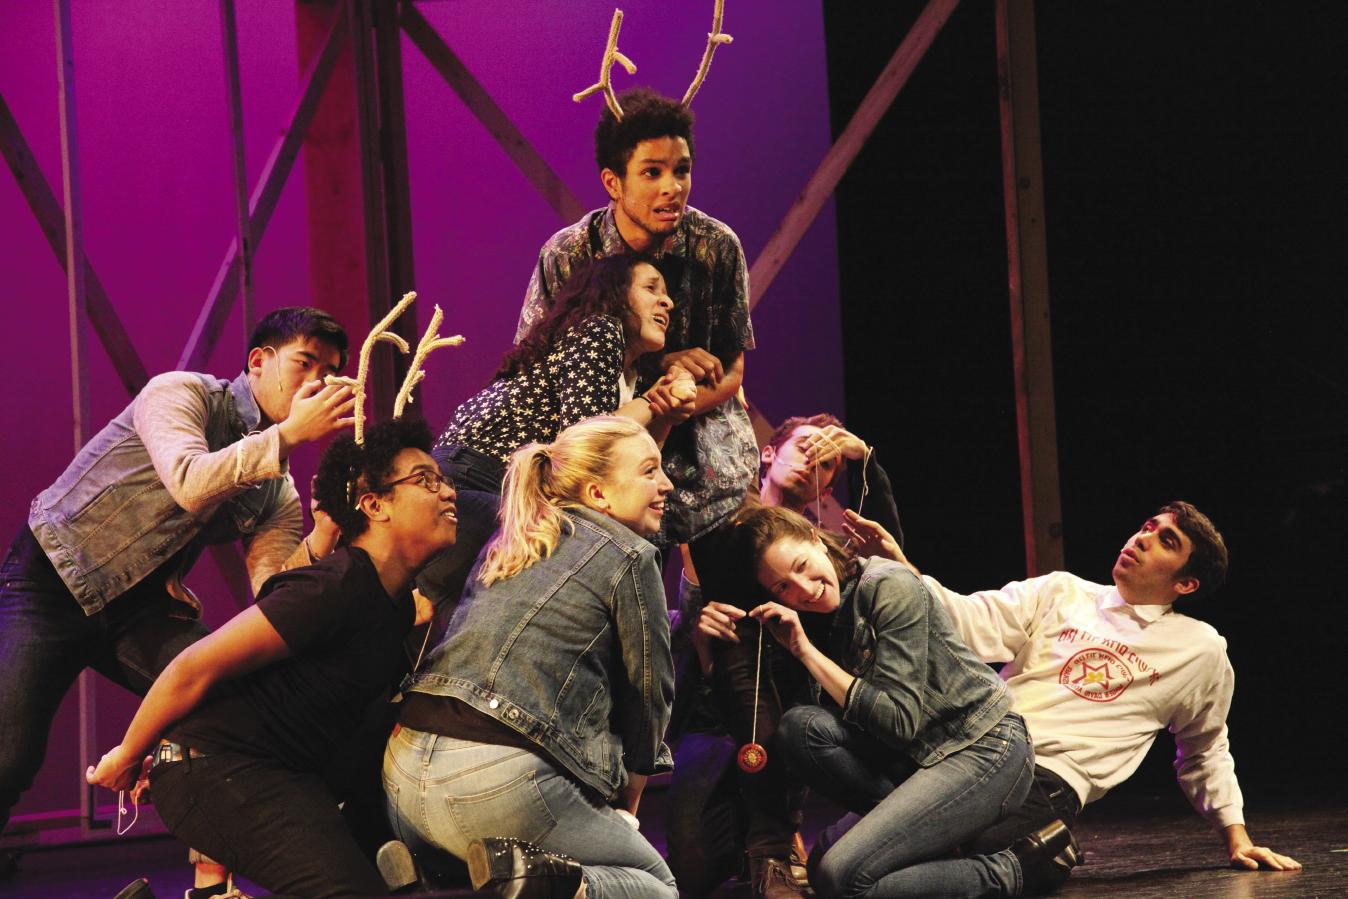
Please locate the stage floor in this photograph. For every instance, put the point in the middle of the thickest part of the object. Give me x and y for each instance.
(1134, 847)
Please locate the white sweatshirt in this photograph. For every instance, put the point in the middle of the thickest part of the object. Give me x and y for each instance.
(1096, 679)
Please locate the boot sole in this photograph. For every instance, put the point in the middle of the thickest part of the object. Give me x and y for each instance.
(479, 866)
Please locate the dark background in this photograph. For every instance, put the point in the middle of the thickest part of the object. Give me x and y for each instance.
(1195, 192)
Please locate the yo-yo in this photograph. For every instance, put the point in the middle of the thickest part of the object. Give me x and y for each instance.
(752, 757)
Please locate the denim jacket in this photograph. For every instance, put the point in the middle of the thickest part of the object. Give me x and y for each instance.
(918, 688)
(572, 652)
(183, 461)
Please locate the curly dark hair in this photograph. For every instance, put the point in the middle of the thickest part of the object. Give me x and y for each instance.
(597, 287)
(349, 470)
(646, 115)
(281, 326)
(1207, 559)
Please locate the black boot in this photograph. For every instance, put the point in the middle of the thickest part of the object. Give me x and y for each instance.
(517, 869)
(136, 889)
(1047, 858)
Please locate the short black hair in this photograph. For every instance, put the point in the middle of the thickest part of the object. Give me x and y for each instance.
(646, 115)
(348, 470)
(1208, 559)
(281, 326)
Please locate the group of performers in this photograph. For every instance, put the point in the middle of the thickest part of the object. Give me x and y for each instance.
(540, 678)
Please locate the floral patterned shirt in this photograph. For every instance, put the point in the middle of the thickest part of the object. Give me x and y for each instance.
(577, 379)
(708, 458)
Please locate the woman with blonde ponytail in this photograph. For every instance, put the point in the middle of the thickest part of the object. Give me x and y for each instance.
(528, 735)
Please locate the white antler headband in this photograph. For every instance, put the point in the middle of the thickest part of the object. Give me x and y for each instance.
(611, 55)
(431, 340)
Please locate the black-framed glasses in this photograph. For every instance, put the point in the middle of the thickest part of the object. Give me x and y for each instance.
(426, 479)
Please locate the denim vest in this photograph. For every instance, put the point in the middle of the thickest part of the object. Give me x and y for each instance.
(572, 652)
(109, 521)
(918, 687)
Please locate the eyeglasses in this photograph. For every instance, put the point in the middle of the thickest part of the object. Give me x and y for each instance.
(426, 479)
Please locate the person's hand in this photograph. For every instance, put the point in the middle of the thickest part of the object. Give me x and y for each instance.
(831, 441)
(117, 770)
(425, 609)
(317, 411)
(717, 622)
(869, 538)
(670, 400)
(1251, 857)
(784, 625)
(702, 365)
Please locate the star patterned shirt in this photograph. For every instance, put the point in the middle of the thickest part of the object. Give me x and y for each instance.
(577, 379)
(712, 458)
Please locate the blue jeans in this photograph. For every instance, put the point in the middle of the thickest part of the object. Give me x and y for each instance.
(903, 820)
(46, 640)
(443, 793)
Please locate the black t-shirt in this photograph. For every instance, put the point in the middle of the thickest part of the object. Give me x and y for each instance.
(345, 636)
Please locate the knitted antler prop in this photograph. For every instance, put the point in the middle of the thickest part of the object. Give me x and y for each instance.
(430, 341)
(714, 40)
(379, 332)
(611, 55)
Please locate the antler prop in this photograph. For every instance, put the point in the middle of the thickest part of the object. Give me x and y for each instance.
(611, 55)
(714, 40)
(430, 341)
(379, 332)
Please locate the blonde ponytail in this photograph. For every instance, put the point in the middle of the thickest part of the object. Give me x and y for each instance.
(542, 480)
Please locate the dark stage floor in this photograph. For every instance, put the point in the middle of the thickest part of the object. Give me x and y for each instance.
(1134, 848)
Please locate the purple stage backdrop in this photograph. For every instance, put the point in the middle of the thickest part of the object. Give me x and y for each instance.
(158, 200)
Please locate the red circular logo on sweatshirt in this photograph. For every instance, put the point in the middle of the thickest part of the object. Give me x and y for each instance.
(1096, 674)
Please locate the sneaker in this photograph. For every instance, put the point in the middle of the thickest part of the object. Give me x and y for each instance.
(771, 879)
(517, 869)
(1046, 858)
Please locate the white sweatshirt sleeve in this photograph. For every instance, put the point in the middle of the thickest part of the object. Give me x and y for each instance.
(996, 624)
(1203, 763)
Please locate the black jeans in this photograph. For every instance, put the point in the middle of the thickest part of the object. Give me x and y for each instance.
(278, 827)
(46, 640)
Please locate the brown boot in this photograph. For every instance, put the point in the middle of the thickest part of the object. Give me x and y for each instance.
(771, 878)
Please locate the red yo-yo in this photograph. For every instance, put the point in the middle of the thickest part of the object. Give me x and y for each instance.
(751, 758)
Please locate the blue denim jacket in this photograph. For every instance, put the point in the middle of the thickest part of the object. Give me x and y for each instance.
(918, 688)
(110, 519)
(572, 652)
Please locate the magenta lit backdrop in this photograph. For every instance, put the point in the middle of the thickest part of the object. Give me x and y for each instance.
(158, 202)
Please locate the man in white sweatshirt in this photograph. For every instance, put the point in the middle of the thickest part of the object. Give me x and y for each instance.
(1097, 671)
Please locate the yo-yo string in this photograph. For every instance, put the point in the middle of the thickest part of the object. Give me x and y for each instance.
(758, 673)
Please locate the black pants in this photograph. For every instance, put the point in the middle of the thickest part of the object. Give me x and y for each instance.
(277, 827)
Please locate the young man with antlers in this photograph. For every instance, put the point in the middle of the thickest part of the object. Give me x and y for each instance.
(243, 724)
(94, 579)
(644, 149)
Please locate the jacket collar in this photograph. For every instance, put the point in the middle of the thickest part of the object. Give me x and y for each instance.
(245, 403)
(620, 532)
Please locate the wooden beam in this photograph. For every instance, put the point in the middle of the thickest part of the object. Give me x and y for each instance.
(529, 161)
(1027, 279)
(76, 290)
(220, 299)
(393, 149)
(50, 217)
(382, 385)
(233, 93)
(77, 310)
(839, 157)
